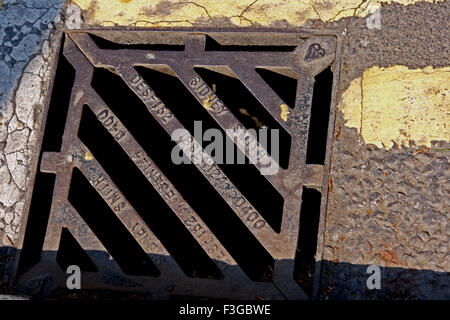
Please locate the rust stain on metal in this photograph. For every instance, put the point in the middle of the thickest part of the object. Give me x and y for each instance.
(330, 185)
(338, 133)
(421, 150)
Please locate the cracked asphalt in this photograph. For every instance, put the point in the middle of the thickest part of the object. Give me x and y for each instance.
(23, 25)
(25, 51)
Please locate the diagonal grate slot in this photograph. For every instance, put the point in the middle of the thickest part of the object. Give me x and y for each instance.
(245, 176)
(307, 241)
(284, 86)
(144, 198)
(38, 218)
(116, 239)
(186, 178)
(246, 108)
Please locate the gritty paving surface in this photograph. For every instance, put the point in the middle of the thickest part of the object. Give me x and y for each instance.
(400, 41)
(385, 207)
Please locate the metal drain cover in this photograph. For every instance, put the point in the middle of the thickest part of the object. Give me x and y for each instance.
(177, 54)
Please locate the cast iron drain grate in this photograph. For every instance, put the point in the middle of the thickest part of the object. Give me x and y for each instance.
(108, 198)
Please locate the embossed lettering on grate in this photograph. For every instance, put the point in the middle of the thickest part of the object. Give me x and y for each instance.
(108, 198)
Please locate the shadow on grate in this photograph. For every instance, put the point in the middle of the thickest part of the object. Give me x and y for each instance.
(71, 253)
(246, 176)
(116, 239)
(285, 87)
(307, 240)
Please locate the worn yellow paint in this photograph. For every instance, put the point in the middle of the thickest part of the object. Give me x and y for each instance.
(351, 104)
(238, 12)
(284, 112)
(88, 156)
(398, 104)
(208, 102)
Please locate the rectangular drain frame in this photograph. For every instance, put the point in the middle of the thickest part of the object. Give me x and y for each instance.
(315, 51)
